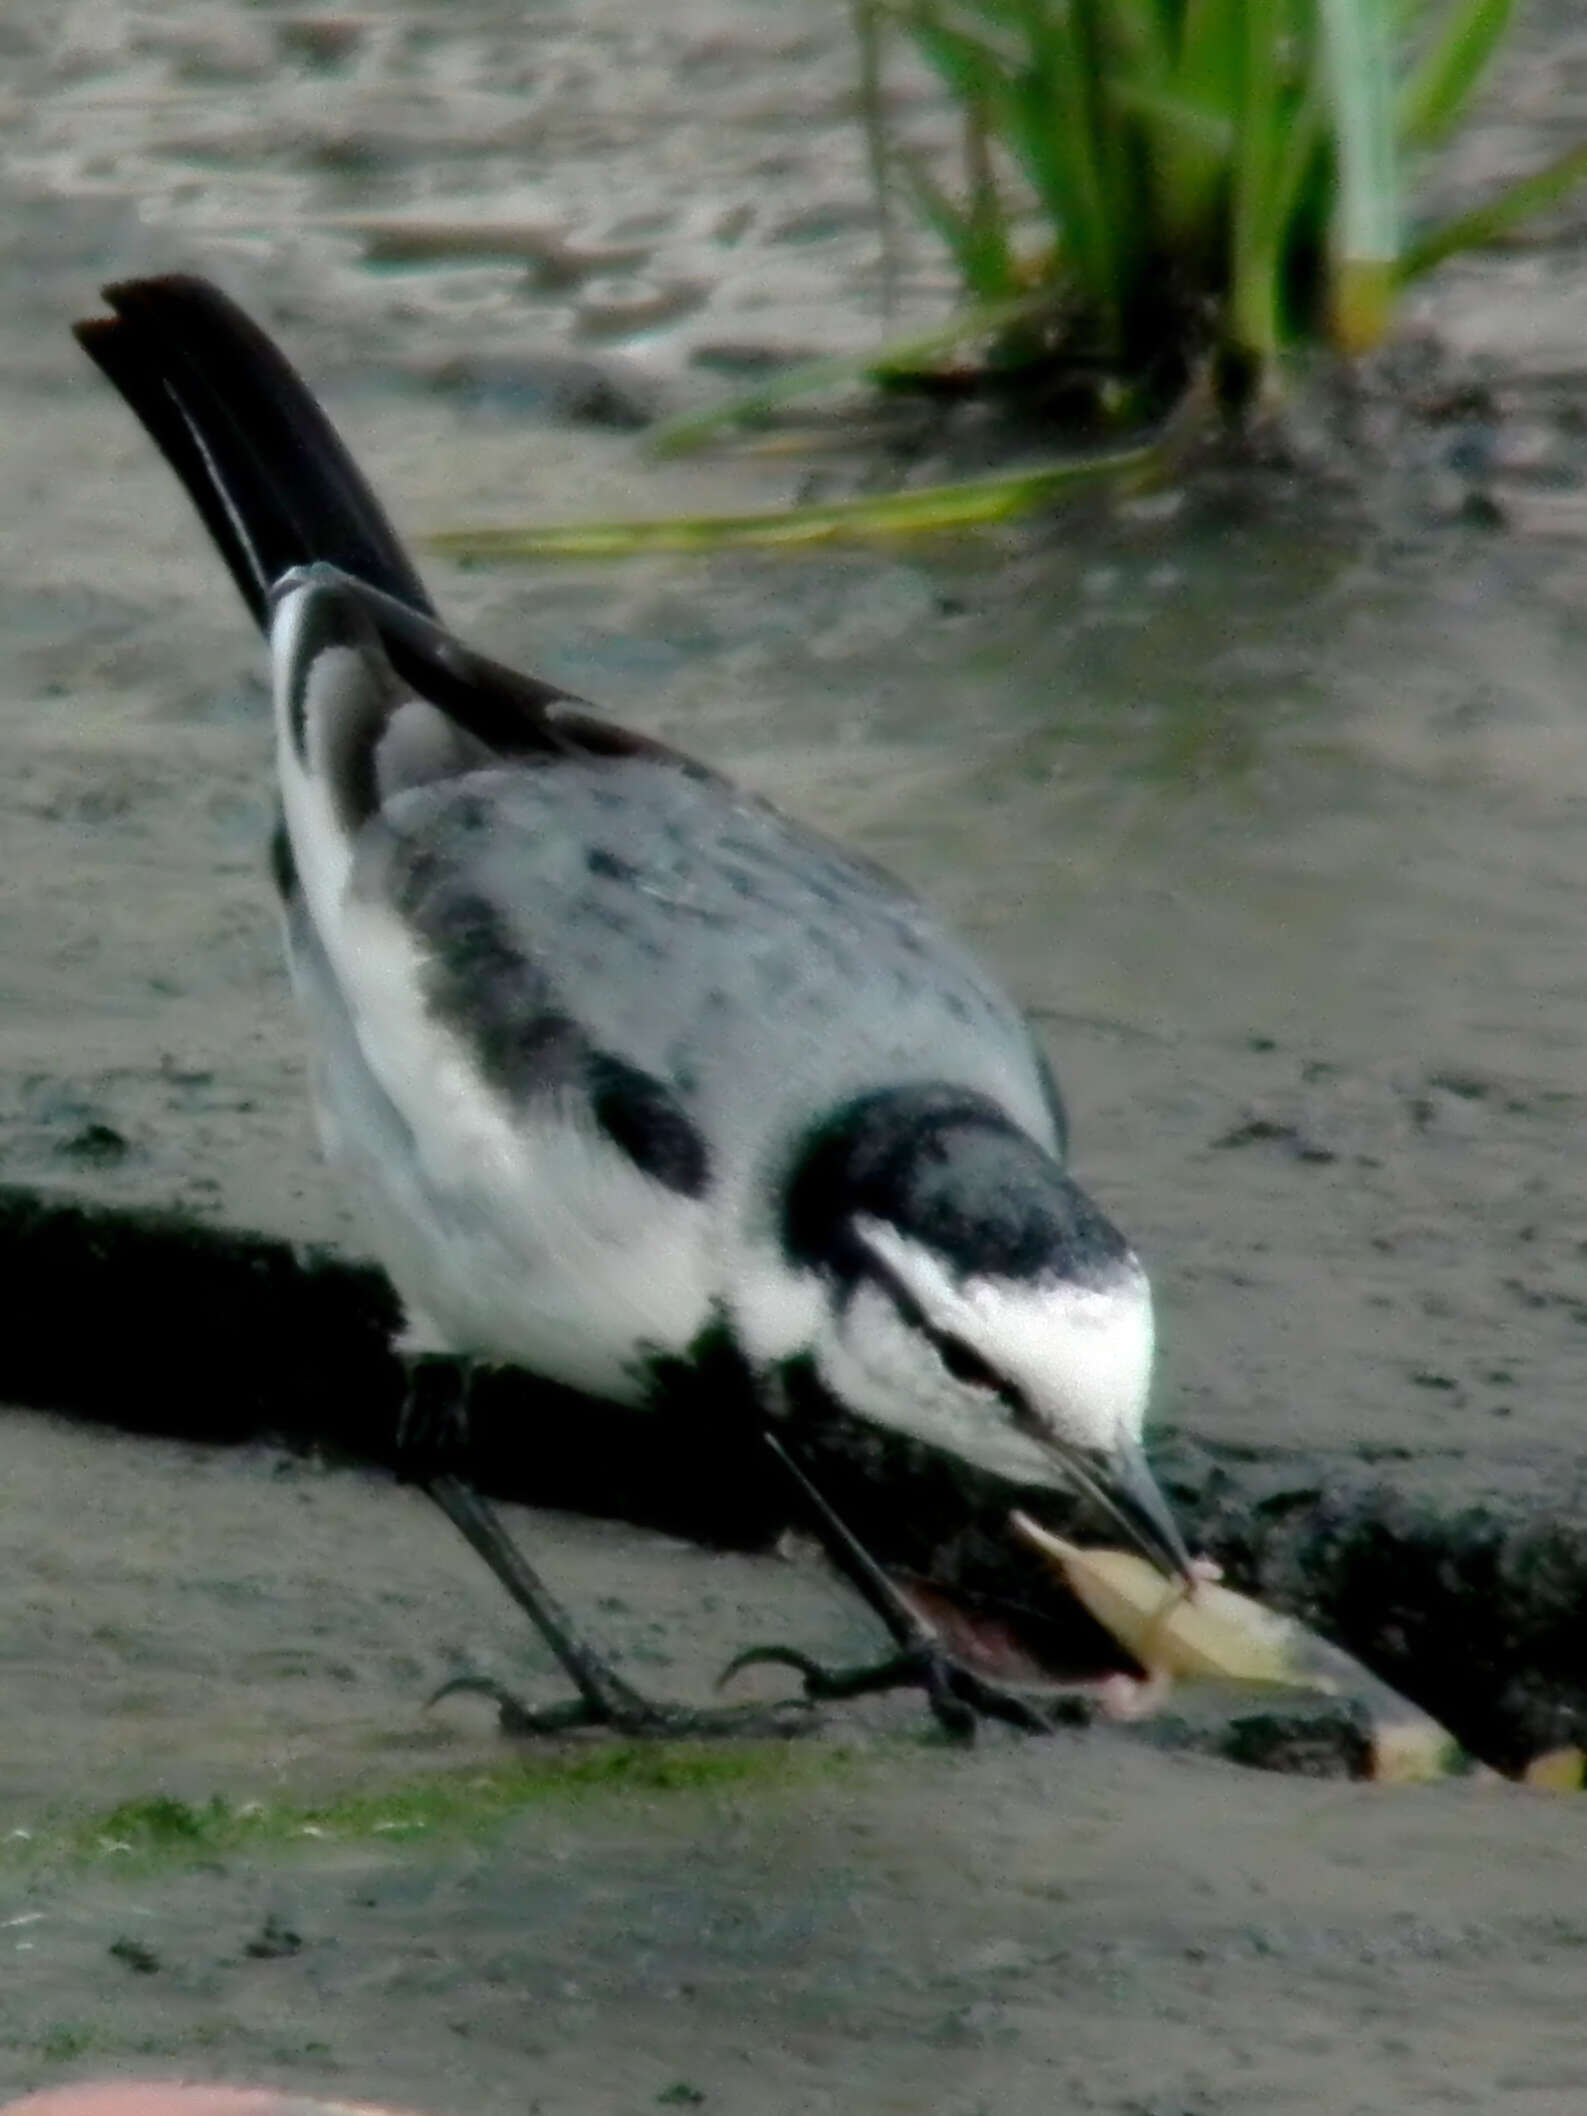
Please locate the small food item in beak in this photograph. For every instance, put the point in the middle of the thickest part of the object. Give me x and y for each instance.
(1162, 1623)
(1208, 1632)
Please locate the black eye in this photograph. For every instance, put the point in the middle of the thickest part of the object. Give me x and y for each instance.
(965, 1364)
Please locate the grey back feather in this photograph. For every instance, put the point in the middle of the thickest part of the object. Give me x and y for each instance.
(749, 967)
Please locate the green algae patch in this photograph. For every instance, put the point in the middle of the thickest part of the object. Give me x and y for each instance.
(156, 1830)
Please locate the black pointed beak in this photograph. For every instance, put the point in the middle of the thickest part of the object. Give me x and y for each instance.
(1123, 1486)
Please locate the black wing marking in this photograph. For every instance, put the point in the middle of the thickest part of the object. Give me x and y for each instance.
(483, 986)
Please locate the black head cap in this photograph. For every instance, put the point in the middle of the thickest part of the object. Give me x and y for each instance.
(949, 1170)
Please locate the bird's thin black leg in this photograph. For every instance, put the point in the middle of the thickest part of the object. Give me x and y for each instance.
(431, 1428)
(850, 1556)
(958, 1697)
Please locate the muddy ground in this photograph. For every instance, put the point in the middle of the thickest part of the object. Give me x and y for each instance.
(1269, 803)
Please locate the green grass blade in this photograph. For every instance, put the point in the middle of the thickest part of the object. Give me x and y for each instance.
(1187, 125)
(928, 509)
(1055, 131)
(1485, 224)
(871, 101)
(1142, 45)
(1440, 85)
(1358, 57)
(1254, 316)
(1168, 112)
(677, 437)
(1208, 63)
(969, 68)
(977, 234)
(1188, 148)
(1297, 180)
(976, 238)
(986, 219)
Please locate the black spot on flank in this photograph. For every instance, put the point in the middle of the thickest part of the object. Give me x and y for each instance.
(949, 1170)
(641, 1115)
(468, 815)
(283, 868)
(607, 864)
(471, 939)
(744, 884)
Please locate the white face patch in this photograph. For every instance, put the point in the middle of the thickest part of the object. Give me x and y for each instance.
(1080, 1355)
(882, 1367)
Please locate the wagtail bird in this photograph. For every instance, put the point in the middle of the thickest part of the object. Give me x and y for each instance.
(631, 1077)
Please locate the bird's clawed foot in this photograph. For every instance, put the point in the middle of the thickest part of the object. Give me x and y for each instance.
(959, 1698)
(604, 1699)
(624, 1711)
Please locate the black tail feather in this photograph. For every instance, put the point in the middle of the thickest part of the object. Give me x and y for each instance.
(276, 488)
(268, 473)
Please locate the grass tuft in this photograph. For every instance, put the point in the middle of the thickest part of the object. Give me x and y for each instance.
(1188, 179)
(1155, 203)
(1158, 188)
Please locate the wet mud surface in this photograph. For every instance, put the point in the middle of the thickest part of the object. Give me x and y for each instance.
(1269, 805)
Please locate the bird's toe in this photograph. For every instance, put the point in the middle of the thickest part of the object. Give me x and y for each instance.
(959, 1698)
(636, 1718)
